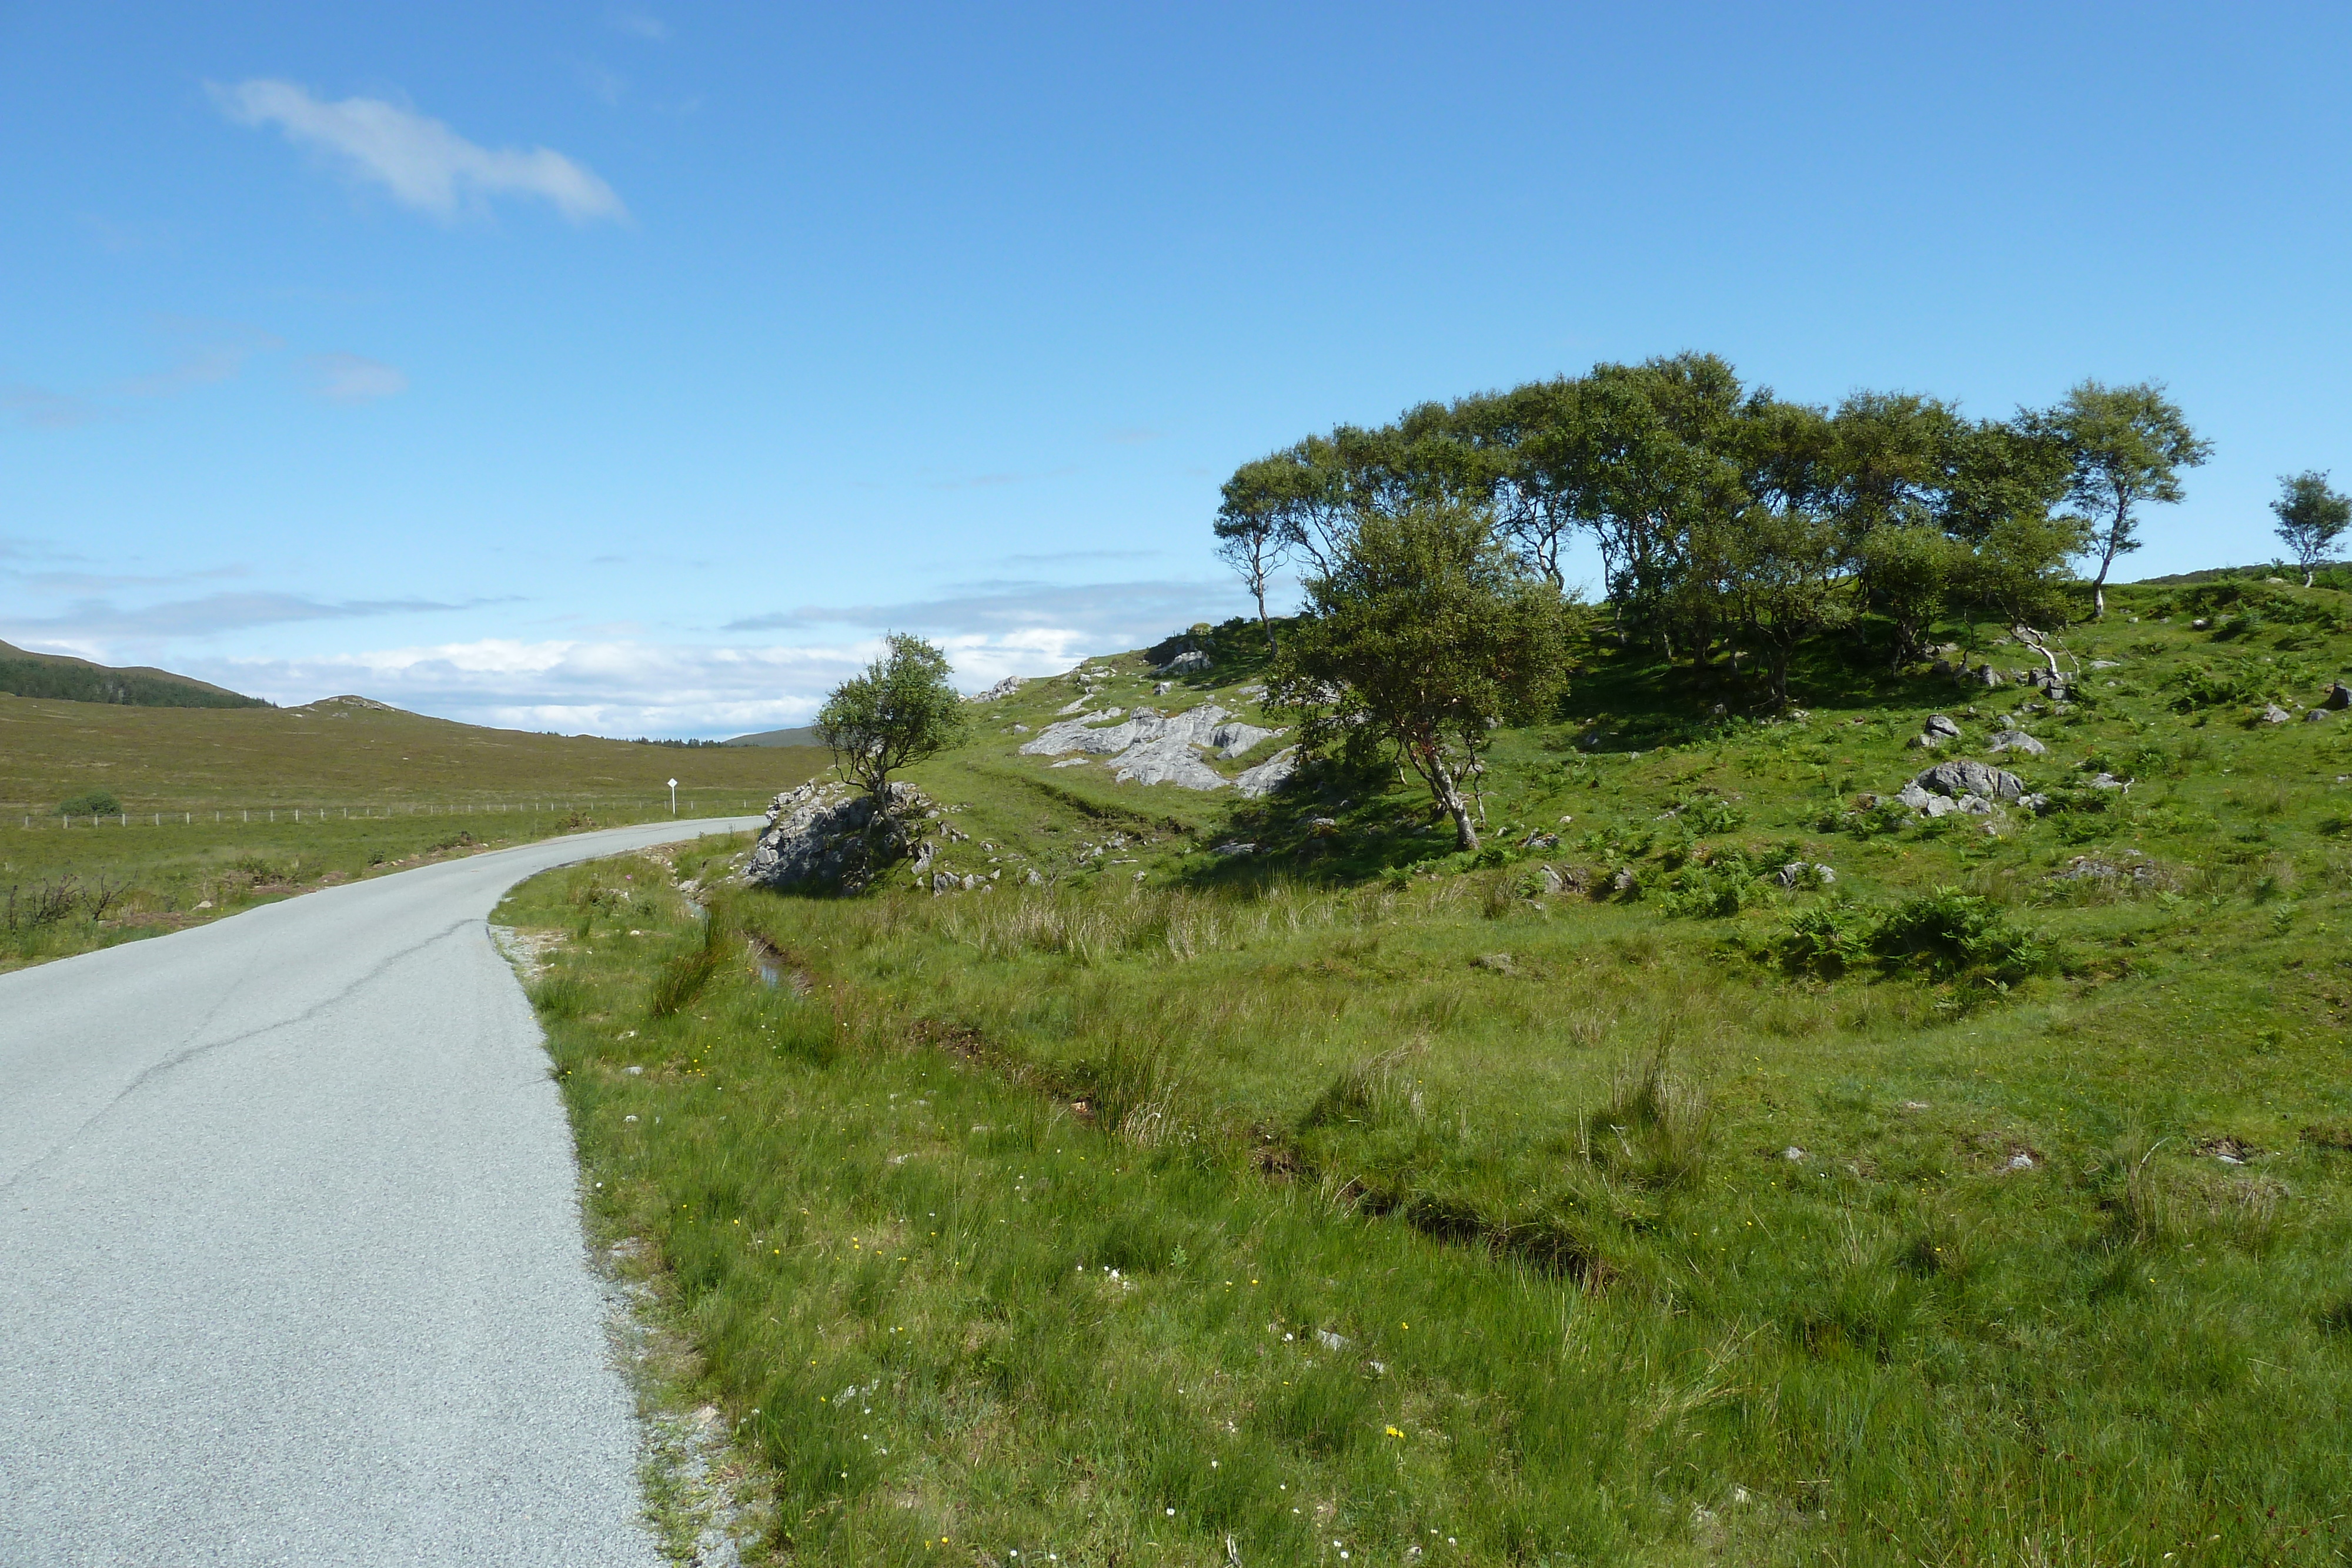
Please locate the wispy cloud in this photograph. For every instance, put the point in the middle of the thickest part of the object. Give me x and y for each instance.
(349, 378)
(1055, 558)
(422, 163)
(1105, 615)
(45, 409)
(87, 583)
(209, 353)
(993, 481)
(606, 85)
(636, 24)
(99, 620)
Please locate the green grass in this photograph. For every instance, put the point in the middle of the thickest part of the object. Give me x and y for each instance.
(1883, 1220)
(220, 809)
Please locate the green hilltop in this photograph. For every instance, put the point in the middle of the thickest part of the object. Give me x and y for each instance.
(25, 674)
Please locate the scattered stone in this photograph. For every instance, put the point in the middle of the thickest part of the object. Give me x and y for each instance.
(1557, 882)
(1800, 873)
(1937, 724)
(1003, 688)
(1330, 1341)
(1624, 883)
(1186, 662)
(2107, 664)
(2131, 866)
(2200, 625)
(1031, 879)
(1161, 688)
(1232, 847)
(1494, 963)
(2021, 1161)
(2273, 714)
(2312, 716)
(1988, 677)
(1793, 1154)
(2018, 740)
(1540, 839)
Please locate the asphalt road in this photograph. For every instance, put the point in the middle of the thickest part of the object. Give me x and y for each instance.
(291, 1268)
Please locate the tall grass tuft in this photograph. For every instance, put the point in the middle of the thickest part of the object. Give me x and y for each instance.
(1658, 1124)
(681, 978)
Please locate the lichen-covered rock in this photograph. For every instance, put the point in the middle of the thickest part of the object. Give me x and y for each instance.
(2018, 740)
(1269, 775)
(1147, 748)
(826, 837)
(1965, 776)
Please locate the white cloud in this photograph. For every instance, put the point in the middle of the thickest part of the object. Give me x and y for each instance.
(349, 378)
(624, 686)
(422, 163)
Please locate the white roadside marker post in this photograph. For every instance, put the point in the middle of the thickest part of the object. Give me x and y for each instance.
(673, 797)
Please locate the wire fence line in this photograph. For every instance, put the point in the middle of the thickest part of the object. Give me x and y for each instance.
(378, 811)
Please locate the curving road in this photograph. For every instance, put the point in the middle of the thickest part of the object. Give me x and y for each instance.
(291, 1268)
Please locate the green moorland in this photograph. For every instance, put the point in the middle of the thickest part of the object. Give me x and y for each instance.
(211, 809)
(1353, 1200)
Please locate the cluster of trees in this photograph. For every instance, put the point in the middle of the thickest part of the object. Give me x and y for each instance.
(1729, 520)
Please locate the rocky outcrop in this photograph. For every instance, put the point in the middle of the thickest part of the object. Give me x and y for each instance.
(1269, 775)
(1965, 785)
(825, 837)
(1145, 747)
(1003, 688)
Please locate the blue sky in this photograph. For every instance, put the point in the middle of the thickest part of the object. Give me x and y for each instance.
(629, 369)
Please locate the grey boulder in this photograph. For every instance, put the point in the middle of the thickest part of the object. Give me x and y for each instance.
(1965, 776)
(2018, 740)
(824, 837)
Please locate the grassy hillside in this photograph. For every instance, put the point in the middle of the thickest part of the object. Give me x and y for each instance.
(1601, 1200)
(217, 808)
(25, 674)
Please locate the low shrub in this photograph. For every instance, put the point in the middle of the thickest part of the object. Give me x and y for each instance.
(91, 803)
(1948, 932)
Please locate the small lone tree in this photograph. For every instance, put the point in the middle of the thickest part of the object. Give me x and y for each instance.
(1425, 633)
(901, 711)
(2127, 445)
(1252, 538)
(2310, 516)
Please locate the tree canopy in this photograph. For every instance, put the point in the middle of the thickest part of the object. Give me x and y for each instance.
(901, 711)
(2310, 518)
(1425, 633)
(1728, 520)
(2125, 446)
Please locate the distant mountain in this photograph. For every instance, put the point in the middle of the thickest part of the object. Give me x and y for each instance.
(25, 674)
(805, 735)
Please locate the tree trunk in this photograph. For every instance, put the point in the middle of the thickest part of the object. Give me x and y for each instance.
(1449, 795)
(1265, 625)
